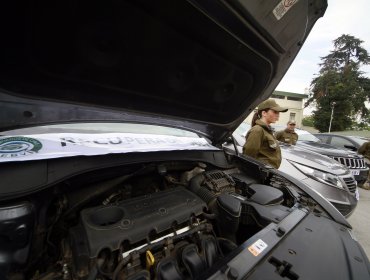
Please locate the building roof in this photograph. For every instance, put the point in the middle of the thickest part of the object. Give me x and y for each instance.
(289, 94)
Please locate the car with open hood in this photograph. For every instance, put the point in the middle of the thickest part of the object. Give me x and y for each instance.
(113, 115)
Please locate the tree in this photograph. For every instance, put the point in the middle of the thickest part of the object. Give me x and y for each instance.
(308, 121)
(341, 86)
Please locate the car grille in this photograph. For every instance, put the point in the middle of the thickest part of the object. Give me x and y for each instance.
(351, 162)
(351, 184)
(342, 208)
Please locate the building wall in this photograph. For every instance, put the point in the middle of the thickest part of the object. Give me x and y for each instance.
(295, 108)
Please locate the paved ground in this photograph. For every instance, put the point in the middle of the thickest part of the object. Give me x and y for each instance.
(360, 220)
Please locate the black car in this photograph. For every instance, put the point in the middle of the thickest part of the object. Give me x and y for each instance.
(351, 159)
(113, 116)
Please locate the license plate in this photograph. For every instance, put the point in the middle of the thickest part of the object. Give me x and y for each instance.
(355, 172)
(357, 195)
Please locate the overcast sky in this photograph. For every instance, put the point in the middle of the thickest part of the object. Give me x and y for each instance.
(341, 17)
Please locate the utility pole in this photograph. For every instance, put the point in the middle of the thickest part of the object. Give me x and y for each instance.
(332, 104)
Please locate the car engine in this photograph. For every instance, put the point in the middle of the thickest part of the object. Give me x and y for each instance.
(162, 222)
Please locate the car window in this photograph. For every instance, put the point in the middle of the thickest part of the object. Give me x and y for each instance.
(243, 129)
(340, 142)
(323, 138)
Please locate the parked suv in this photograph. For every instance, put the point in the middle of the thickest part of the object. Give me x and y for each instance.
(353, 161)
(352, 143)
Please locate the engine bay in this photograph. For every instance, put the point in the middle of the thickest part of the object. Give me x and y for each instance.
(171, 220)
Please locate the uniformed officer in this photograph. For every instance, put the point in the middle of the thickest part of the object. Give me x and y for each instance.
(288, 135)
(365, 151)
(261, 143)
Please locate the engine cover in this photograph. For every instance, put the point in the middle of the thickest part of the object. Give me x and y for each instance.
(132, 220)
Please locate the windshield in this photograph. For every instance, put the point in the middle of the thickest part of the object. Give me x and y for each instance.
(96, 128)
(242, 129)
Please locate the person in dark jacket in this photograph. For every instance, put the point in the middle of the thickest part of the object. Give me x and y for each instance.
(365, 151)
(288, 135)
(261, 143)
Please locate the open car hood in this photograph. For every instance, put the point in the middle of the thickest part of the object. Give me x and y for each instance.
(198, 65)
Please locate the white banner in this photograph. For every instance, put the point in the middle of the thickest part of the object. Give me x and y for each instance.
(46, 146)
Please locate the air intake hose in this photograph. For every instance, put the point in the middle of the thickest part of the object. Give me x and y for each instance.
(203, 193)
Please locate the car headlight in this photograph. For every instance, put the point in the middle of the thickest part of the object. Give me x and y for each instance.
(320, 176)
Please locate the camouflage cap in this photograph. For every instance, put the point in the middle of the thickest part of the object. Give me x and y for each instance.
(271, 104)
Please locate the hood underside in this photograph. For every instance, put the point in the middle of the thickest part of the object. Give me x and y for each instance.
(199, 65)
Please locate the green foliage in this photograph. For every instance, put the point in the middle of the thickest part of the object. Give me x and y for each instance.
(341, 86)
(308, 121)
(364, 124)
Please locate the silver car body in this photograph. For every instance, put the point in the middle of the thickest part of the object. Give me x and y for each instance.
(295, 159)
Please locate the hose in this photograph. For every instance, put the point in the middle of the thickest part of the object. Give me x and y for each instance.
(203, 193)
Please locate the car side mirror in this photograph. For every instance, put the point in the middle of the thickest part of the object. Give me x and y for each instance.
(350, 147)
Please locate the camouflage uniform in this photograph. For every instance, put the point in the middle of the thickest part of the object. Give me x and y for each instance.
(262, 145)
(365, 151)
(287, 136)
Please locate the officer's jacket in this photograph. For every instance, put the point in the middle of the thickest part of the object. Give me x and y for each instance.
(365, 150)
(262, 145)
(287, 136)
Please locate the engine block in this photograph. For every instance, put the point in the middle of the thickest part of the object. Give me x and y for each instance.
(132, 220)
